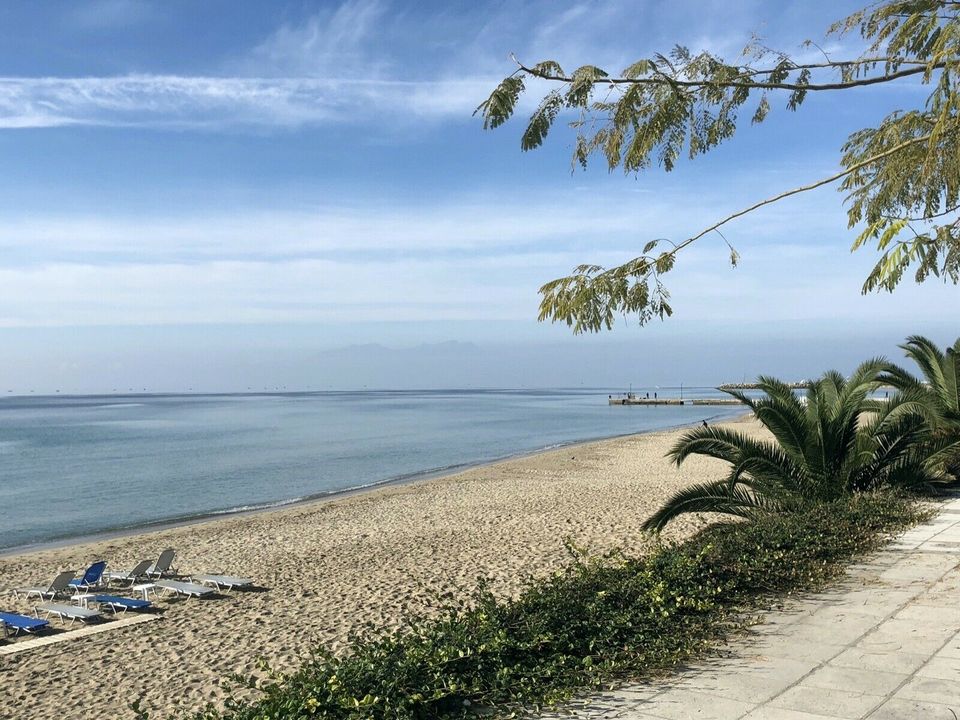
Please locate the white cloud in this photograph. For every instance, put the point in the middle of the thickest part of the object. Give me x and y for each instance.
(821, 285)
(361, 61)
(486, 225)
(217, 102)
(469, 261)
(334, 41)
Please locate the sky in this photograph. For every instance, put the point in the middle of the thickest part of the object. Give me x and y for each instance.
(220, 196)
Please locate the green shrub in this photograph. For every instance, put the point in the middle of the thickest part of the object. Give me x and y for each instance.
(597, 622)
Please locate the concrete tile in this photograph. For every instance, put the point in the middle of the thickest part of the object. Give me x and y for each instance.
(951, 535)
(935, 690)
(877, 601)
(951, 648)
(679, 704)
(749, 682)
(613, 704)
(941, 596)
(776, 713)
(785, 646)
(899, 709)
(945, 668)
(820, 701)
(871, 682)
(944, 544)
(949, 581)
(899, 662)
(857, 617)
(930, 616)
(838, 629)
(913, 572)
(904, 636)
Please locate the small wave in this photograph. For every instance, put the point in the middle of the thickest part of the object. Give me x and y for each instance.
(260, 506)
(111, 406)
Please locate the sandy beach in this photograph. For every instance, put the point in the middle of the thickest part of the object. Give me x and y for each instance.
(328, 567)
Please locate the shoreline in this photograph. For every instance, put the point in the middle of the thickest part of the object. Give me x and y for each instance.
(320, 498)
(331, 568)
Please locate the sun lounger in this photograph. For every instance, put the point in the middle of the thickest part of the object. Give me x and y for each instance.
(60, 583)
(22, 623)
(222, 581)
(120, 604)
(163, 566)
(184, 588)
(73, 612)
(91, 578)
(138, 573)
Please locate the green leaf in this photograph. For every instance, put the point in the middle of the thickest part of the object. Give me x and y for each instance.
(499, 107)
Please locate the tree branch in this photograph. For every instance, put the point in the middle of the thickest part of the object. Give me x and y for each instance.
(667, 80)
(796, 191)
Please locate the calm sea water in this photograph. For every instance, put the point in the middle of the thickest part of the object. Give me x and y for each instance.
(75, 466)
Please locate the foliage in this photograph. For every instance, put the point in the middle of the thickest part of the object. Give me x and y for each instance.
(938, 393)
(940, 387)
(902, 178)
(822, 449)
(599, 621)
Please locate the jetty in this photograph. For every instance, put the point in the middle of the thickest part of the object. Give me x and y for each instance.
(802, 385)
(632, 399)
(636, 398)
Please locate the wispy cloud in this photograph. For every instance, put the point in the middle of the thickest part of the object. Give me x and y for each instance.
(360, 61)
(336, 40)
(414, 264)
(217, 102)
(483, 226)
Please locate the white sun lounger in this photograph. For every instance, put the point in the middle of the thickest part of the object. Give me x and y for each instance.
(163, 566)
(59, 585)
(186, 589)
(222, 581)
(68, 611)
(134, 576)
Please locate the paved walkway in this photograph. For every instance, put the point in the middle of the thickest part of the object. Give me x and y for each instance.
(883, 645)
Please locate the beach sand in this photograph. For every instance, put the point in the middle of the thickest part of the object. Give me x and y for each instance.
(330, 566)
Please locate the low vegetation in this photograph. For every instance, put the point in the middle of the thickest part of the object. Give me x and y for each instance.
(600, 621)
(829, 486)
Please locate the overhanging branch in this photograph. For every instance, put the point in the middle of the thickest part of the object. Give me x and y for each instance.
(814, 87)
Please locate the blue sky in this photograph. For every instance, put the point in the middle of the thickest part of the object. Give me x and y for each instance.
(188, 183)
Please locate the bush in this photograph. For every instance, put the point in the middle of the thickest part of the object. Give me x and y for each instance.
(597, 622)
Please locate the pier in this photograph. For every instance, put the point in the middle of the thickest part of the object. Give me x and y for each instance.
(629, 399)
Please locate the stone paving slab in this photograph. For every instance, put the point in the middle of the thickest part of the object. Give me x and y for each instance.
(884, 645)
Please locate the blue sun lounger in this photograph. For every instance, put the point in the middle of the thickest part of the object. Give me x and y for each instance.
(121, 604)
(19, 623)
(91, 578)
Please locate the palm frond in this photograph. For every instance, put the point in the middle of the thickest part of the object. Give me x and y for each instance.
(715, 497)
(716, 442)
(929, 359)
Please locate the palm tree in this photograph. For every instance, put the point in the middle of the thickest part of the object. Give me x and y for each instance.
(940, 388)
(835, 441)
(938, 394)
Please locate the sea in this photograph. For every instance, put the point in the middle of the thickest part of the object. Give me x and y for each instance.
(84, 466)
